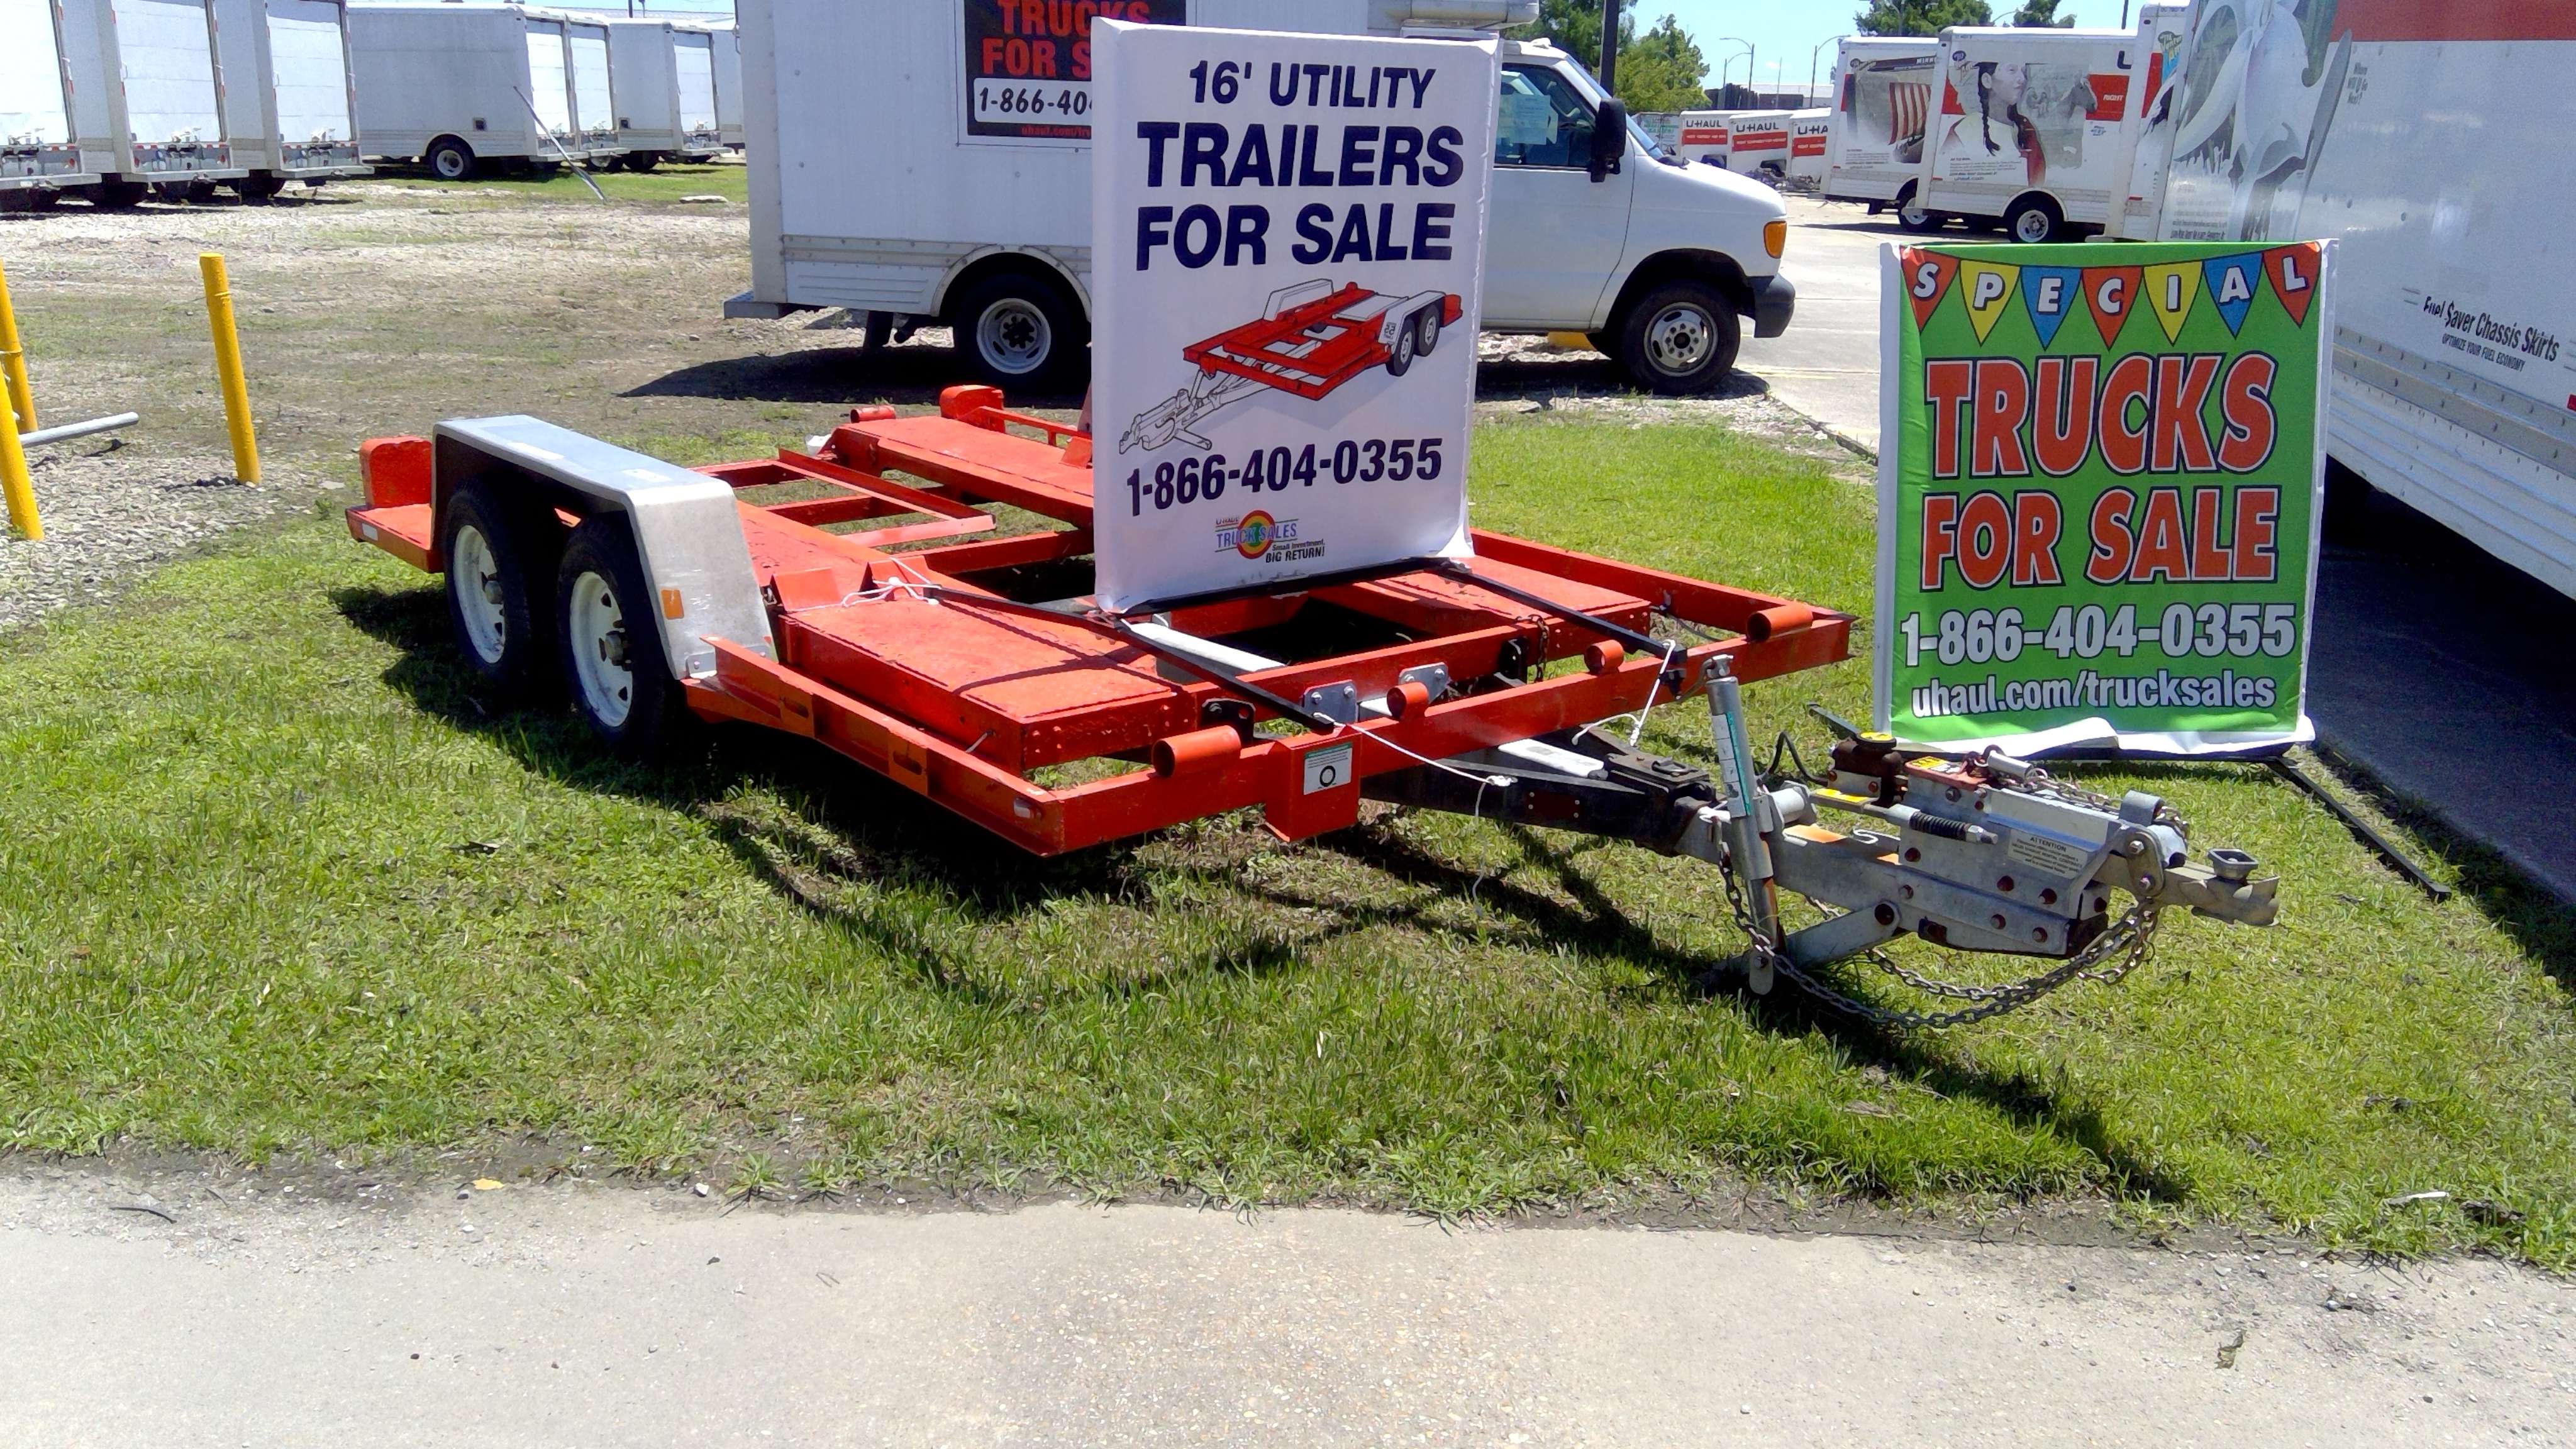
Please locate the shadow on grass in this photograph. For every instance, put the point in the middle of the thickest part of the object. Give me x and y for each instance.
(926, 887)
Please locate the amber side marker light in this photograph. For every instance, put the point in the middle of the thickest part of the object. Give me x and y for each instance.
(1775, 238)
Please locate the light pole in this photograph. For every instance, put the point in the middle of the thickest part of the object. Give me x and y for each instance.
(1812, 56)
(1730, 60)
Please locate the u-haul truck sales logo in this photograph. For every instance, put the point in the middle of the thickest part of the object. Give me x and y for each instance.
(1260, 537)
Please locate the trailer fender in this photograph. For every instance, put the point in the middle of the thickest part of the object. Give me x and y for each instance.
(686, 525)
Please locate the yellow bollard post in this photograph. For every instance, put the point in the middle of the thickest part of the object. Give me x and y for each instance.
(13, 362)
(16, 487)
(228, 366)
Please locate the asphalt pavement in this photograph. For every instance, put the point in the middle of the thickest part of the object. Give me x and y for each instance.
(2438, 671)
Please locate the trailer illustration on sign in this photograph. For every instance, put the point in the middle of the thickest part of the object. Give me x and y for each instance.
(1312, 338)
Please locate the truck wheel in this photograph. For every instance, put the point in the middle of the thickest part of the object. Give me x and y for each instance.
(1912, 217)
(1399, 359)
(258, 189)
(2033, 219)
(1427, 327)
(612, 646)
(1020, 330)
(450, 159)
(1680, 338)
(498, 564)
(640, 162)
(117, 195)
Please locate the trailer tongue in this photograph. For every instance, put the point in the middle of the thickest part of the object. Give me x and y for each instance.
(962, 663)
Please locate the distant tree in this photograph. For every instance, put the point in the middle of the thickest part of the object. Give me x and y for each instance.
(1660, 70)
(2039, 13)
(1922, 17)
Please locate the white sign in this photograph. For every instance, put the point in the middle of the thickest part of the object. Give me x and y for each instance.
(1287, 236)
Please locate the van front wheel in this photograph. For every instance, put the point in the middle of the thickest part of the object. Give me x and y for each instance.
(1680, 338)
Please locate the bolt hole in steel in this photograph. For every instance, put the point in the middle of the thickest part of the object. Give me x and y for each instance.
(598, 629)
(1681, 339)
(478, 594)
(1013, 335)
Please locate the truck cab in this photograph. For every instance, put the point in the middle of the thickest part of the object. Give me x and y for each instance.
(1656, 260)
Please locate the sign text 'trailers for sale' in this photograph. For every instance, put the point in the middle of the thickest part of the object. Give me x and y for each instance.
(2099, 495)
(1288, 235)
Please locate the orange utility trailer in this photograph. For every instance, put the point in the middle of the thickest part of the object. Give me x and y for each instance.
(914, 593)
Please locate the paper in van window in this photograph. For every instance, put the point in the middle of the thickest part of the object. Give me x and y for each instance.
(1526, 120)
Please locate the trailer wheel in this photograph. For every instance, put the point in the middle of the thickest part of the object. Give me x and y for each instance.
(1427, 328)
(1399, 358)
(1910, 213)
(2033, 219)
(117, 195)
(498, 565)
(612, 649)
(1680, 338)
(640, 162)
(1020, 331)
(450, 159)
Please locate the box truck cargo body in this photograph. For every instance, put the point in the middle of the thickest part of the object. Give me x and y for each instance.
(147, 99)
(39, 155)
(2032, 130)
(2163, 31)
(665, 92)
(2430, 139)
(1882, 105)
(290, 95)
(455, 86)
(1810, 135)
(899, 167)
(1748, 143)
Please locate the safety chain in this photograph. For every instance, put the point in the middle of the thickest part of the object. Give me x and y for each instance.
(2129, 939)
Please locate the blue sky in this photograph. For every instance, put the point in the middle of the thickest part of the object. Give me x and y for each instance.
(1783, 34)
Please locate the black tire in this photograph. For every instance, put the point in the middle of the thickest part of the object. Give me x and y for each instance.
(1680, 338)
(1913, 218)
(512, 572)
(2034, 219)
(640, 162)
(449, 159)
(621, 682)
(43, 198)
(1427, 334)
(1399, 358)
(1022, 332)
(258, 190)
(116, 195)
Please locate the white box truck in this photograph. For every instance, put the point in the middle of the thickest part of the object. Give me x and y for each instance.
(2032, 132)
(1810, 135)
(147, 99)
(290, 92)
(2163, 31)
(2426, 140)
(39, 156)
(594, 89)
(927, 160)
(665, 94)
(1748, 143)
(1882, 104)
(459, 86)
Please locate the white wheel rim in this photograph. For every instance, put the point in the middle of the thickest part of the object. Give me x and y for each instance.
(1681, 339)
(450, 165)
(2031, 226)
(1430, 333)
(1404, 346)
(474, 578)
(1910, 214)
(597, 629)
(1014, 336)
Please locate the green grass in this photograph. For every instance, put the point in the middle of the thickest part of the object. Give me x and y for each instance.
(662, 184)
(271, 882)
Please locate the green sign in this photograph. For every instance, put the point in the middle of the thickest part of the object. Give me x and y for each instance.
(2098, 494)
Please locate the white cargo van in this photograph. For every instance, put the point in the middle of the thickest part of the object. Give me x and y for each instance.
(2427, 140)
(147, 100)
(908, 161)
(290, 93)
(455, 86)
(2032, 132)
(666, 93)
(1882, 105)
(1810, 134)
(2163, 30)
(38, 155)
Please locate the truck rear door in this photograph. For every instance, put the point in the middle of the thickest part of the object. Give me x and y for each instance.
(312, 76)
(549, 79)
(31, 77)
(696, 59)
(1557, 236)
(169, 71)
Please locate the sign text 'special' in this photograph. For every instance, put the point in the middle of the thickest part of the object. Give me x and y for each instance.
(1231, 164)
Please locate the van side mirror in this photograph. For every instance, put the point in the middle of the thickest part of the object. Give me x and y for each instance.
(1609, 138)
